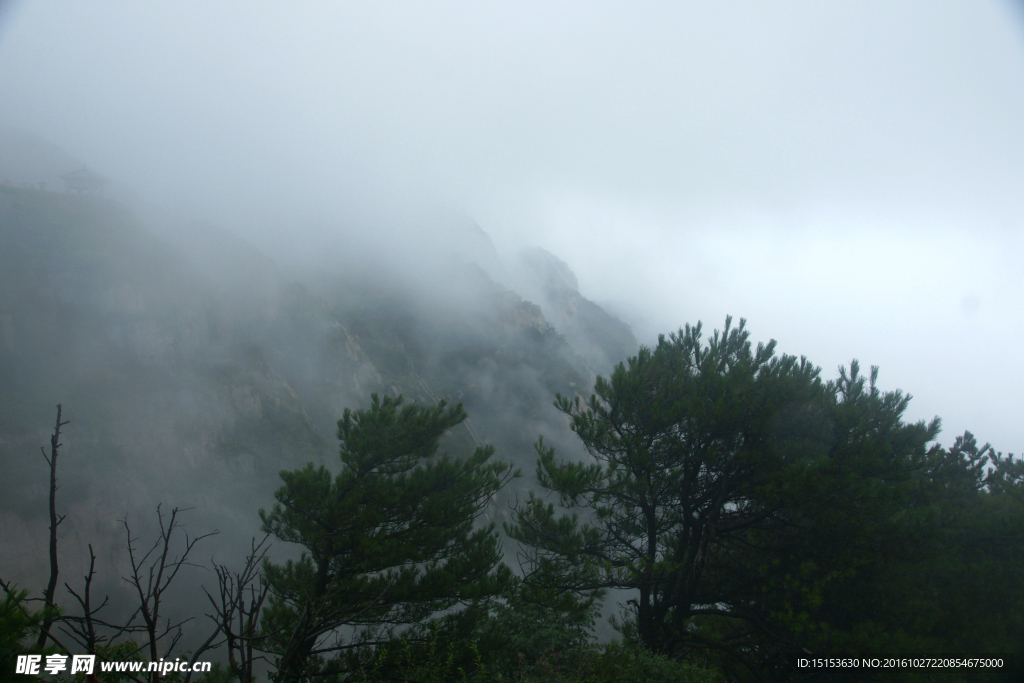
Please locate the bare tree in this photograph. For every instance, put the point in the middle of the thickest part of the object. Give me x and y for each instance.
(50, 611)
(83, 629)
(152, 574)
(237, 608)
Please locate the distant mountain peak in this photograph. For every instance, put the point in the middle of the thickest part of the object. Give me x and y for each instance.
(550, 270)
(599, 337)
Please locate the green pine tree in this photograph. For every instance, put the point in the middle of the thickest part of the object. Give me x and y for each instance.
(18, 625)
(388, 541)
(690, 440)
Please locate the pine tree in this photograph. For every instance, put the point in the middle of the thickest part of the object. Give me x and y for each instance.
(689, 440)
(387, 542)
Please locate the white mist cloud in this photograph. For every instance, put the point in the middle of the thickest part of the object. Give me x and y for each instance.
(845, 176)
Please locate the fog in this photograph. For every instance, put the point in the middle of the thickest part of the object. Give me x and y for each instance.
(847, 178)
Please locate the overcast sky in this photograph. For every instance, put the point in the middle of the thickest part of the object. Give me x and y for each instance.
(847, 176)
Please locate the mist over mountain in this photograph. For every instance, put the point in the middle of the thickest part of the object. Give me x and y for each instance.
(193, 367)
(602, 339)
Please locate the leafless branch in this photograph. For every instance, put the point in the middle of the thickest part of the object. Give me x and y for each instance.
(86, 625)
(240, 597)
(151, 576)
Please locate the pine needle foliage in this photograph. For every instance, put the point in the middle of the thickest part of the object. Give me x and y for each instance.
(686, 440)
(388, 541)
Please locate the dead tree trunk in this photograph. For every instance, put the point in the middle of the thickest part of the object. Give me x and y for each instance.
(49, 612)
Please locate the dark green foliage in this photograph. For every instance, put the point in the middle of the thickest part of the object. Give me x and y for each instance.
(18, 627)
(591, 664)
(689, 440)
(531, 624)
(835, 574)
(893, 546)
(618, 662)
(502, 649)
(388, 541)
(755, 511)
(499, 640)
